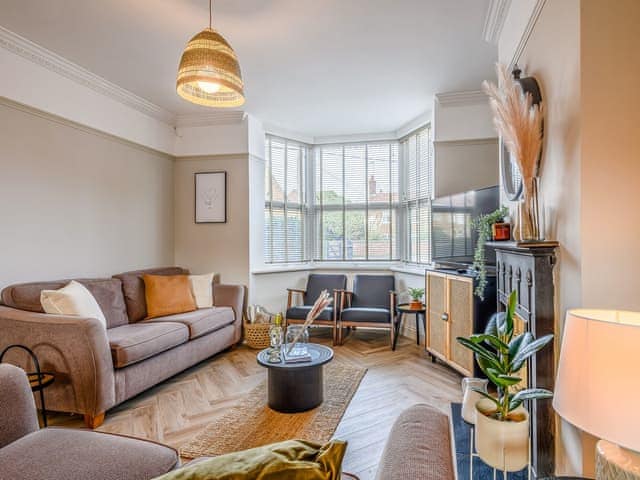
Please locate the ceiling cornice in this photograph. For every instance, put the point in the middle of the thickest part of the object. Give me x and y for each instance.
(461, 98)
(533, 19)
(218, 117)
(494, 20)
(33, 52)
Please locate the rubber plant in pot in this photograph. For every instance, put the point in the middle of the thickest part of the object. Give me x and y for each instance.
(502, 423)
(416, 298)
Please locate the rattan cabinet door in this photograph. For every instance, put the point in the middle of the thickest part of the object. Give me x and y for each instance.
(437, 327)
(460, 322)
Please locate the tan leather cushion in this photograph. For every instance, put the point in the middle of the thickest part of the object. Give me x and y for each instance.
(133, 289)
(167, 295)
(106, 291)
(202, 321)
(137, 341)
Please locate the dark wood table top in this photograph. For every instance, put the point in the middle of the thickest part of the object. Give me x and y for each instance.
(319, 356)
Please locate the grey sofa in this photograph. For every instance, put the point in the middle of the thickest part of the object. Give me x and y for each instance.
(418, 447)
(96, 369)
(26, 452)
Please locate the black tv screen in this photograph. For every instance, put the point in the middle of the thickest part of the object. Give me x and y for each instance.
(453, 238)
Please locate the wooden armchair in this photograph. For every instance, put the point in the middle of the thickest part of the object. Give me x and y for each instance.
(371, 304)
(316, 283)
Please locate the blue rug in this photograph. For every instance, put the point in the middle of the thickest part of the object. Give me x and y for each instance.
(462, 437)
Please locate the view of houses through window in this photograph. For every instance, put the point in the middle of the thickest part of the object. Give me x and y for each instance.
(355, 209)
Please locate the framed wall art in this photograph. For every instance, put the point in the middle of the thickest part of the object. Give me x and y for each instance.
(211, 197)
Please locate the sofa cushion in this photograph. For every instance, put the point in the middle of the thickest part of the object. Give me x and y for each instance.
(202, 289)
(133, 289)
(300, 312)
(137, 341)
(200, 322)
(167, 295)
(57, 453)
(106, 291)
(72, 299)
(287, 460)
(363, 314)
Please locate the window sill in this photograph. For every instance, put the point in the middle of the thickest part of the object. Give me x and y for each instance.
(318, 266)
(410, 269)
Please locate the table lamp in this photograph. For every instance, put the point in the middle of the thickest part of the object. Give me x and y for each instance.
(598, 386)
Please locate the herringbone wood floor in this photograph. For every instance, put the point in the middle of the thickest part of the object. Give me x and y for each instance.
(179, 408)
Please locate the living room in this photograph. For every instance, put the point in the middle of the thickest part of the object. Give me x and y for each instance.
(194, 169)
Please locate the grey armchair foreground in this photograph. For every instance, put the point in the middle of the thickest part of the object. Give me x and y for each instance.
(26, 452)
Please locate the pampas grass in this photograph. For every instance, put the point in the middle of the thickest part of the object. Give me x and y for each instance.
(518, 121)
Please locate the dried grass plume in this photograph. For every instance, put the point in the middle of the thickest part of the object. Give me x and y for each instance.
(518, 121)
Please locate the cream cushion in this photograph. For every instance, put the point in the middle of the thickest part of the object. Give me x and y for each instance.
(202, 289)
(72, 299)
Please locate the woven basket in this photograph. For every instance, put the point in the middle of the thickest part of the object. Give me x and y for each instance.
(256, 335)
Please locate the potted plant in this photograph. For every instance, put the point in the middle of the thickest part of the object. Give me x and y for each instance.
(502, 423)
(416, 298)
(483, 225)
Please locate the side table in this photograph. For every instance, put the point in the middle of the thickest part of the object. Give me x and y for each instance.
(38, 380)
(404, 308)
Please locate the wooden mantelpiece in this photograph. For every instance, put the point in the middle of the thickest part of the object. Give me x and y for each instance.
(528, 269)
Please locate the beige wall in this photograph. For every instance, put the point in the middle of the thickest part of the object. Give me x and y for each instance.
(552, 55)
(610, 154)
(75, 202)
(583, 54)
(214, 247)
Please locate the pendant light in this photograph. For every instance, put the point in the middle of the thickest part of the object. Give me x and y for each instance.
(209, 73)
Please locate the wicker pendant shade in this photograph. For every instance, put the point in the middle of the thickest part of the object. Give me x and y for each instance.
(209, 73)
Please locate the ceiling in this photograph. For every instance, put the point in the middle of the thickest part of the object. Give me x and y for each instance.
(317, 67)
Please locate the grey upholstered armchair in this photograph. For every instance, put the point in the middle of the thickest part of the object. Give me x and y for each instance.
(316, 283)
(27, 452)
(371, 304)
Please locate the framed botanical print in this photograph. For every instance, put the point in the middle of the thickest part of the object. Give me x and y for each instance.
(211, 197)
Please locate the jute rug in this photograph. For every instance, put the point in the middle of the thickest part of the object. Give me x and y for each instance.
(252, 423)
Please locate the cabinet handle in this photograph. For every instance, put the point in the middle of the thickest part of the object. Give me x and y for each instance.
(445, 317)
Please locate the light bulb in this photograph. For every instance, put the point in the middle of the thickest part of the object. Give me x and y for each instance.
(209, 87)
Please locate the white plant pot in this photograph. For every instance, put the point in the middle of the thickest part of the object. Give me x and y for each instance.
(502, 445)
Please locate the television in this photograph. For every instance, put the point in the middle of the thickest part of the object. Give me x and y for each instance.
(453, 239)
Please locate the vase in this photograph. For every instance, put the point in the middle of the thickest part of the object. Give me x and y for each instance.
(302, 334)
(530, 228)
(503, 445)
(470, 397)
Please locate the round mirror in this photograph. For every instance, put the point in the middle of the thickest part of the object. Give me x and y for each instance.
(512, 179)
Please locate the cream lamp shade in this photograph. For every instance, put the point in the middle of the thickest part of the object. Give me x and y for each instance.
(598, 381)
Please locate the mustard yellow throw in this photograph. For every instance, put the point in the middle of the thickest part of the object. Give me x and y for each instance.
(288, 460)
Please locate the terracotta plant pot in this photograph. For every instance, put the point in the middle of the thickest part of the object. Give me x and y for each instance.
(502, 445)
(415, 304)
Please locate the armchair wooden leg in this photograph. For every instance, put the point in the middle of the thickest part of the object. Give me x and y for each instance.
(392, 332)
(93, 421)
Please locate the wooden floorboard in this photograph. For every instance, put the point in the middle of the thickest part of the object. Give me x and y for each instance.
(180, 407)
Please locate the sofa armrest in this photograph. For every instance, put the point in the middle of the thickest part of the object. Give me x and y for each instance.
(231, 296)
(75, 348)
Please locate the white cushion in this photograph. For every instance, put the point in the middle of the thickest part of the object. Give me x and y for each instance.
(202, 289)
(72, 299)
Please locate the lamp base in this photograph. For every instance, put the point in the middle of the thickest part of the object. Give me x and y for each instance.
(616, 463)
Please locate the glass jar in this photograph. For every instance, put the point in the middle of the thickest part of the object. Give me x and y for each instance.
(300, 333)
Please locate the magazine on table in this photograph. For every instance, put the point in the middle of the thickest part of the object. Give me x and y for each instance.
(298, 354)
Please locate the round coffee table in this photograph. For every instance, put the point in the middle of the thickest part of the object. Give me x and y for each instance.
(296, 387)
